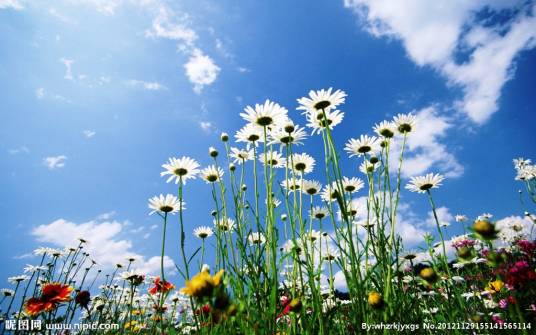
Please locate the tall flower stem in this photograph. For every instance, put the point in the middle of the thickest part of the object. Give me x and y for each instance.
(182, 235)
(9, 306)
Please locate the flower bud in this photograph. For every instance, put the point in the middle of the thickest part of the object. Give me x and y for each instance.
(224, 137)
(213, 152)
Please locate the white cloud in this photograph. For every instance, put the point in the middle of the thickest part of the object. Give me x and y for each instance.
(201, 70)
(55, 162)
(104, 80)
(20, 150)
(339, 281)
(151, 86)
(105, 244)
(60, 16)
(13, 4)
(68, 68)
(433, 32)
(205, 125)
(89, 133)
(106, 7)
(444, 216)
(40, 93)
(425, 147)
(409, 226)
(106, 216)
(167, 25)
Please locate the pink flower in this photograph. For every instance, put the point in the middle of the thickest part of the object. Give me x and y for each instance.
(503, 304)
(497, 319)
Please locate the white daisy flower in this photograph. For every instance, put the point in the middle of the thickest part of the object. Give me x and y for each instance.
(460, 218)
(361, 146)
(330, 254)
(183, 169)
(302, 163)
(43, 251)
(311, 187)
(330, 192)
(319, 212)
(224, 224)
(321, 100)
(525, 170)
(34, 268)
(405, 123)
(212, 174)
(291, 184)
(165, 204)
(7, 292)
(275, 202)
(318, 122)
(385, 129)
(352, 185)
(203, 232)
(313, 236)
(422, 184)
(132, 276)
(212, 152)
(354, 208)
(274, 159)
(287, 134)
(256, 238)
(224, 137)
(239, 156)
(265, 115)
(290, 246)
(17, 279)
(484, 216)
(367, 167)
(250, 134)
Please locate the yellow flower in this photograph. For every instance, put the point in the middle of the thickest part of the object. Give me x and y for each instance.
(495, 286)
(134, 326)
(429, 275)
(485, 229)
(202, 284)
(375, 299)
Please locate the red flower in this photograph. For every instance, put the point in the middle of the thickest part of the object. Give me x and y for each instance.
(161, 286)
(52, 295)
(527, 246)
(83, 298)
(520, 273)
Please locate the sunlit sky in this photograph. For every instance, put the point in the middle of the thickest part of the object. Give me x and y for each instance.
(96, 95)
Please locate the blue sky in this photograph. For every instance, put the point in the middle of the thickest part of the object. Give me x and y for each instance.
(96, 95)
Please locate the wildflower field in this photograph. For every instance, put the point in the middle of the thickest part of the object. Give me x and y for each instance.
(269, 262)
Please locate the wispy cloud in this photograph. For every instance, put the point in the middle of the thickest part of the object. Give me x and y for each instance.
(60, 16)
(40, 93)
(68, 68)
(105, 244)
(89, 133)
(435, 33)
(20, 150)
(171, 26)
(13, 4)
(206, 126)
(151, 86)
(444, 216)
(201, 70)
(106, 7)
(55, 162)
